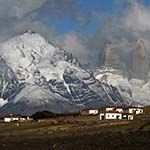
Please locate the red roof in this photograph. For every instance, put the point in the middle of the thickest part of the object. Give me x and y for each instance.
(10, 116)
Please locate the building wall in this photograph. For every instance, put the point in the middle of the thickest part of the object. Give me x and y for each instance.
(109, 108)
(93, 112)
(22, 119)
(7, 119)
(139, 111)
(119, 110)
(102, 116)
(10, 119)
(113, 116)
(132, 110)
(130, 117)
(135, 110)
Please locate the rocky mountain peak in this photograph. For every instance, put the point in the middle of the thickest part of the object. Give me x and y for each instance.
(40, 76)
(140, 62)
(29, 31)
(111, 57)
(140, 48)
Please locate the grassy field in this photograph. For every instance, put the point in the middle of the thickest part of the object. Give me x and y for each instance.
(77, 133)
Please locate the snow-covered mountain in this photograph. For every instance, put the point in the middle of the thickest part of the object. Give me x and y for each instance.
(134, 83)
(40, 76)
(135, 90)
(9, 85)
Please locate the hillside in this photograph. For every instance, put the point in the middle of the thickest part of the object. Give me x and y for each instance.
(65, 133)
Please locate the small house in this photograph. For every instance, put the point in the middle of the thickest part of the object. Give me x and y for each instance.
(130, 116)
(112, 108)
(109, 108)
(119, 109)
(11, 118)
(89, 111)
(135, 110)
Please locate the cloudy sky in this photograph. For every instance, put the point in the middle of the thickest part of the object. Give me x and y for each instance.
(79, 26)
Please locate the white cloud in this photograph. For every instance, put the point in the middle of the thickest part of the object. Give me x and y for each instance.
(18, 8)
(16, 16)
(77, 45)
(137, 18)
(136, 22)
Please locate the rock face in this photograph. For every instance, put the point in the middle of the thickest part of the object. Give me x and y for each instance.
(140, 61)
(134, 83)
(43, 77)
(9, 85)
(135, 90)
(111, 58)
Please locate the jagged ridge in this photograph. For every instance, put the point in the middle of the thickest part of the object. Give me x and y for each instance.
(37, 63)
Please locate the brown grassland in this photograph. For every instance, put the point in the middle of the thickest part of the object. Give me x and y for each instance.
(77, 133)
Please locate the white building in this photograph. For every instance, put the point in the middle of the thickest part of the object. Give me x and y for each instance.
(110, 115)
(113, 108)
(93, 112)
(118, 113)
(135, 110)
(89, 111)
(11, 118)
(109, 108)
(119, 109)
(130, 116)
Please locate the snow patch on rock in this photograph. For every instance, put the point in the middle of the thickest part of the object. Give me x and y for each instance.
(134, 89)
(3, 102)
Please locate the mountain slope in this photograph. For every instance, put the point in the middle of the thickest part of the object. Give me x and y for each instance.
(132, 83)
(60, 82)
(135, 90)
(34, 98)
(9, 85)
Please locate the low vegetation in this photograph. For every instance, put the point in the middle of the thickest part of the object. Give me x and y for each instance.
(77, 132)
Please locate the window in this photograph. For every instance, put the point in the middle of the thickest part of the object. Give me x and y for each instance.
(112, 115)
